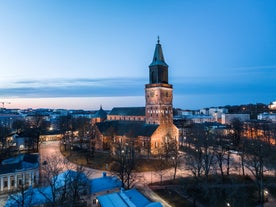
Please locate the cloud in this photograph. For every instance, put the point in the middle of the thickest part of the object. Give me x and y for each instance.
(80, 87)
(229, 85)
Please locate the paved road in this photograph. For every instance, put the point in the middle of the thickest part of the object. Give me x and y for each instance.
(141, 179)
(50, 150)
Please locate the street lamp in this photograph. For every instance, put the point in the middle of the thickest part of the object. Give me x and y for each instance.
(266, 193)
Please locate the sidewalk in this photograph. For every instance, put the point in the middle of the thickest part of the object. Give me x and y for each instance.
(144, 188)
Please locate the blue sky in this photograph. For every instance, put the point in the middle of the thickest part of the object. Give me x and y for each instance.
(80, 54)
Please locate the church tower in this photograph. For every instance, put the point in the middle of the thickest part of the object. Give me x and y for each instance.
(159, 93)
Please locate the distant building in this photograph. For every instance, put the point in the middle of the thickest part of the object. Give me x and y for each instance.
(18, 171)
(260, 129)
(215, 112)
(227, 118)
(7, 119)
(147, 127)
(267, 116)
(272, 106)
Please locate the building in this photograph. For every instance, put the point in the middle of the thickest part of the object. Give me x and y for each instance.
(22, 170)
(102, 186)
(7, 118)
(126, 198)
(272, 106)
(159, 93)
(227, 118)
(65, 183)
(127, 114)
(267, 116)
(23, 140)
(147, 128)
(99, 116)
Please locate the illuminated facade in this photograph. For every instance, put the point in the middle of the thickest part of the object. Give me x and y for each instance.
(148, 128)
(159, 93)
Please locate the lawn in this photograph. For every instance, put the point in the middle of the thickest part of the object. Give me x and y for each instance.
(236, 191)
(103, 161)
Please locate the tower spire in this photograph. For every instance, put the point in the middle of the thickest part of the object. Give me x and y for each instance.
(158, 57)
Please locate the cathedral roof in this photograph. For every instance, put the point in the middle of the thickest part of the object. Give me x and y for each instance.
(158, 57)
(100, 114)
(128, 111)
(131, 129)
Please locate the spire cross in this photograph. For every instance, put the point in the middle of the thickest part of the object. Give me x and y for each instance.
(158, 41)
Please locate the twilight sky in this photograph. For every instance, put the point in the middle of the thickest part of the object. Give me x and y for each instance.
(81, 54)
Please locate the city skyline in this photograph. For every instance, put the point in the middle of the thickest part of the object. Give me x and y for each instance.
(80, 55)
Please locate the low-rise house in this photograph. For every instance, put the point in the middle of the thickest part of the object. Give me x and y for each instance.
(104, 191)
(24, 140)
(22, 170)
(126, 198)
(63, 187)
(65, 184)
(102, 186)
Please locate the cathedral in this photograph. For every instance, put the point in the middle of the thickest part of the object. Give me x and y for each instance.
(146, 128)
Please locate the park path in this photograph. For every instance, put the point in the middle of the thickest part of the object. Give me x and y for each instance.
(49, 149)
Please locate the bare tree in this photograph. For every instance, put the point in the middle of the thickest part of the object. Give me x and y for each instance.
(91, 139)
(220, 152)
(236, 126)
(160, 167)
(50, 169)
(255, 158)
(75, 189)
(176, 158)
(194, 153)
(19, 125)
(125, 160)
(21, 196)
(208, 153)
(81, 125)
(38, 124)
(242, 153)
(4, 131)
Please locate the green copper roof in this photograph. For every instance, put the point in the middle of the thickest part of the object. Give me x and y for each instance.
(158, 57)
